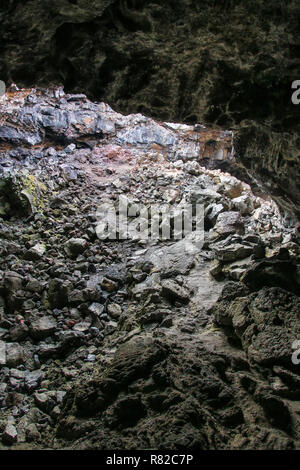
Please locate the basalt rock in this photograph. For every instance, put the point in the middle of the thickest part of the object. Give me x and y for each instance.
(20, 193)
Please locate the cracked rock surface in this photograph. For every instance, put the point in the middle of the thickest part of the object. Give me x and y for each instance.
(134, 343)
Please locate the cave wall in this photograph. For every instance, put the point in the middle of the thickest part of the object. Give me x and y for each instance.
(229, 63)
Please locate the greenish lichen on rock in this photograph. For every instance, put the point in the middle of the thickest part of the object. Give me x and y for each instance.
(21, 193)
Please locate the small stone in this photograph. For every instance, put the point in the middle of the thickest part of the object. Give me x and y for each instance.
(32, 380)
(42, 328)
(14, 354)
(76, 297)
(82, 326)
(167, 322)
(91, 358)
(56, 411)
(114, 310)
(187, 329)
(70, 148)
(60, 395)
(110, 327)
(51, 152)
(10, 434)
(96, 309)
(75, 246)
(108, 285)
(173, 291)
(36, 361)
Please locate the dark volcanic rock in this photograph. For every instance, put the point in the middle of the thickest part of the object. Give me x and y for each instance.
(265, 322)
(168, 396)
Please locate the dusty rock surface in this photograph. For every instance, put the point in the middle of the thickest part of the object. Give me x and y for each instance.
(134, 343)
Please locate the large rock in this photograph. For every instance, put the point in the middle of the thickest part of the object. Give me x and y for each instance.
(22, 193)
(10, 434)
(58, 293)
(230, 186)
(173, 394)
(32, 380)
(265, 322)
(150, 286)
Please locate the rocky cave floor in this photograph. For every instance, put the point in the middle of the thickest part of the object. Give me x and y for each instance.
(134, 344)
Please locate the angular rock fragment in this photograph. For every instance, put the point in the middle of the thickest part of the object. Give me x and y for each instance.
(2, 353)
(233, 252)
(35, 253)
(14, 354)
(108, 285)
(42, 328)
(228, 223)
(173, 291)
(10, 434)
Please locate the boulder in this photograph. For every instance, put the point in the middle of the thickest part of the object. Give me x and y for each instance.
(58, 293)
(12, 282)
(244, 204)
(22, 193)
(32, 380)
